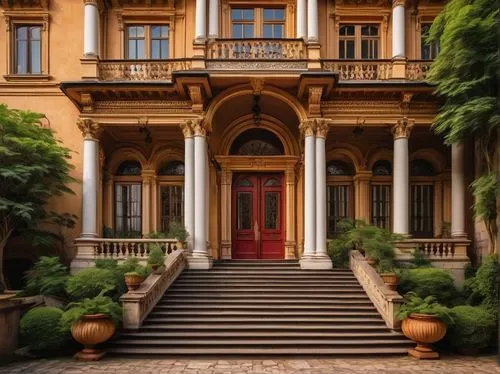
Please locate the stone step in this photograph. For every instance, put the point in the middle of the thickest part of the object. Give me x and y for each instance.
(210, 288)
(359, 350)
(261, 327)
(257, 313)
(277, 282)
(167, 300)
(264, 295)
(318, 342)
(264, 278)
(271, 308)
(221, 284)
(261, 334)
(266, 271)
(265, 320)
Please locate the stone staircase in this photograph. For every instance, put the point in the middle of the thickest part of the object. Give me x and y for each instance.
(262, 307)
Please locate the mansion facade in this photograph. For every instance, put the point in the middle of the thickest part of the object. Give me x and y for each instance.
(259, 125)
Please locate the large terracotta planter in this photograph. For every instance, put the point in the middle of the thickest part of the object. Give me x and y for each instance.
(424, 329)
(90, 330)
(391, 280)
(371, 261)
(133, 281)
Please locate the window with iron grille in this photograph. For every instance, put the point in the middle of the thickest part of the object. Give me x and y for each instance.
(128, 208)
(172, 205)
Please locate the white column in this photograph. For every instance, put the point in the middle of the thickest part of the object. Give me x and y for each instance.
(321, 132)
(401, 177)
(301, 19)
(309, 191)
(398, 29)
(91, 29)
(189, 182)
(213, 19)
(201, 20)
(90, 130)
(312, 20)
(457, 191)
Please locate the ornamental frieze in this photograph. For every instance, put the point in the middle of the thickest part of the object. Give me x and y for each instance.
(256, 65)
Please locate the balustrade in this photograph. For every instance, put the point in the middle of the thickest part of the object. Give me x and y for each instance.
(417, 70)
(253, 49)
(140, 70)
(360, 69)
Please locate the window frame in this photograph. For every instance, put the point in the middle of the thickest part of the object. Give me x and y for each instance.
(378, 180)
(19, 18)
(148, 40)
(340, 180)
(433, 47)
(123, 181)
(166, 180)
(358, 39)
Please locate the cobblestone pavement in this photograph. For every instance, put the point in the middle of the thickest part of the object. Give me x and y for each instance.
(403, 365)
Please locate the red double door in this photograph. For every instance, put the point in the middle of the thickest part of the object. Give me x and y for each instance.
(257, 216)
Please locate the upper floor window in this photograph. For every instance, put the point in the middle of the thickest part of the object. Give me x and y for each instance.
(147, 41)
(28, 49)
(359, 41)
(266, 23)
(428, 51)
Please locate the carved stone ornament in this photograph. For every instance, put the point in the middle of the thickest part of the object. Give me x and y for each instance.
(315, 94)
(396, 3)
(257, 85)
(187, 129)
(405, 101)
(321, 128)
(90, 129)
(30, 4)
(307, 127)
(196, 95)
(87, 102)
(199, 127)
(403, 128)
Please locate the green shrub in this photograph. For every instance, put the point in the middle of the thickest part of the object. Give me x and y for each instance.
(47, 277)
(90, 282)
(339, 253)
(473, 327)
(429, 282)
(156, 256)
(96, 305)
(156, 235)
(428, 305)
(106, 263)
(487, 279)
(39, 329)
(178, 231)
(419, 260)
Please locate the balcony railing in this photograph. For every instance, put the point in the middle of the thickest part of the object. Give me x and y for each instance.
(124, 248)
(416, 70)
(359, 69)
(257, 49)
(140, 70)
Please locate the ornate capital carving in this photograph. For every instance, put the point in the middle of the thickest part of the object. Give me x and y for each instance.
(315, 93)
(322, 127)
(307, 127)
(187, 129)
(403, 128)
(90, 129)
(396, 3)
(199, 127)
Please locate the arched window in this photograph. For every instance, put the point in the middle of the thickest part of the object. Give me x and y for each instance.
(257, 142)
(381, 190)
(422, 198)
(128, 204)
(171, 180)
(340, 202)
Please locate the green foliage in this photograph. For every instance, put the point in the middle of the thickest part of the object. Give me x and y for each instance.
(106, 263)
(39, 329)
(177, 231)
(386, 266)
(47, 277)
(96, 305)
(466, 75)
(128, 234)
(107, 232)
(487, 281)
(156, 256)
(91, 282)
(156, 235)
(419, 259)
(34, 169)
(338, 248)
(429, 282)
(473, 327)
(428, 305)
(130, 265)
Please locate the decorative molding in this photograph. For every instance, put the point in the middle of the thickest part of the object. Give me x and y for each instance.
(244, 66)
(199, 127)
(257, 85)
(187, 129)
(87, 102)
(405, 102)
(396, 3)
(403, 128)
(322, 127)
(315, 93)
(196, 95)
(90, 129)
(25, 4)
(307, 127)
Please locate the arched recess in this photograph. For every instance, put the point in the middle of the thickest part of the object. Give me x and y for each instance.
(436, 158)
(378, 154)
(122, 154)
(242, 124)
(164, 154)
(246, 89)
(346, 153)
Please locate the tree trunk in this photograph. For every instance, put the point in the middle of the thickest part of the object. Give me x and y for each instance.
(3, 243)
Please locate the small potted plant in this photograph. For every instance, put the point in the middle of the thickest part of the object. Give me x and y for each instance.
(179, 232)
(388, 273)
(156, 258)
(92, 322)
(424, 321)
(134, 278)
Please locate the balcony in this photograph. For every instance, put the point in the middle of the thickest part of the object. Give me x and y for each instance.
(141, 70)
(375, 70)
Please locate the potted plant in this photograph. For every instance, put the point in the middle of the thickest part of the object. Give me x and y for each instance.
(156, 258)
(92, 322)
(178, 231)
(134, 278)
(424, 321)
(388, 273)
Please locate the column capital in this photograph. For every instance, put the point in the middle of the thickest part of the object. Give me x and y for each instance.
(402, 128)
(199, 127)
(90, 129)
(187, 129)
(396, 3)
(322, 128)
(307, 127)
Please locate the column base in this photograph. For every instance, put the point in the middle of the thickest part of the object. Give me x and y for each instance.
(316, 263)
(199, 262)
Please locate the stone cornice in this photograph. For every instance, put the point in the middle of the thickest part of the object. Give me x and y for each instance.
(25, 4)
(90, 128)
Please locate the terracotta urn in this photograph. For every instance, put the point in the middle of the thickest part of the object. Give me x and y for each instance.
(391, 280)
(133, 281)
(90, 330)
(424, 329)
(155, 267)
(371, 261)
